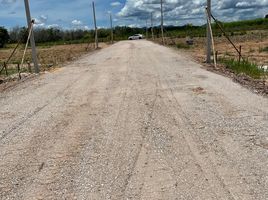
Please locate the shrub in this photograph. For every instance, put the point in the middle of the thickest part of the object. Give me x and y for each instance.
(4, 37)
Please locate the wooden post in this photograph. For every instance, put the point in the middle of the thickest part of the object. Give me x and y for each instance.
(112, 31)
(208, 31)
(29, 67)
(18, 67)
(30, 24)
(217, 56)
(240, 53)
(162, 23)
(152, 25)
(5, 66)
(95, 24)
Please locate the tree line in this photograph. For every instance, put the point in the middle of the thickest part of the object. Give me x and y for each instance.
(46, 35)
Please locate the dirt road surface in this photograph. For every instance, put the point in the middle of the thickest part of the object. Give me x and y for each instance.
(133, 121)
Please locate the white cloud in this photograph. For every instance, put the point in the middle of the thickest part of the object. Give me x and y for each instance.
(193, 11)
(53, 26)
(40, 22)
(115, 4)
(77, 22)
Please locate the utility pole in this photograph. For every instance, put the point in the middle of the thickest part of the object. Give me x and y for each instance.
(208, 32)
(96, 28)
(30, 24)
(162, 22)
(152, 25)
(146, 29)
(112, 29)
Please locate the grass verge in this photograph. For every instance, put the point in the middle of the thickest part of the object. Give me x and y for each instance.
(244, 67)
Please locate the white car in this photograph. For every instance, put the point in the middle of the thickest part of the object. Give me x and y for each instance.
(136, 37)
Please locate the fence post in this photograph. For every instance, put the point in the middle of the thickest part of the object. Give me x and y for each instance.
(18, 66)
(240, 53)
(5, 66)
(29, 67)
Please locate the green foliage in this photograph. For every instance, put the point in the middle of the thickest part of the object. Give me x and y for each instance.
(231, 28)
(244, 67)
(4, 37)
(264, 49)
(182, 46)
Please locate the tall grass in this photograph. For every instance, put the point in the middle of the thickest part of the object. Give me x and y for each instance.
(244, 67)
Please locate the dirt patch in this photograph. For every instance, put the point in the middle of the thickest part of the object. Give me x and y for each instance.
(199, 90)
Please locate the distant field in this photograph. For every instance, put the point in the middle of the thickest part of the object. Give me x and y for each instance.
(254, 46)
(48, 56)
(254, 50)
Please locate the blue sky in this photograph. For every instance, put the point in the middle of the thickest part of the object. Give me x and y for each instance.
(70, 14)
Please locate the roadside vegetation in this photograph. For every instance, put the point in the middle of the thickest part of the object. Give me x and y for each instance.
(244, 67)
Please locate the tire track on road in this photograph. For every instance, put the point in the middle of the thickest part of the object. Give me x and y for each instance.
(38, 109)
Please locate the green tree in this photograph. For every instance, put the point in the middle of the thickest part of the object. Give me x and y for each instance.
(4, 37)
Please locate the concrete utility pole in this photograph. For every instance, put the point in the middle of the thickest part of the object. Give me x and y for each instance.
(96, 28)
(152, 25)
(208, 32)
(29, 22)
(162, 22)
(112, 29)
(146, 29)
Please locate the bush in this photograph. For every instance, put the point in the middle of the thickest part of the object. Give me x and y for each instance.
(4, 37)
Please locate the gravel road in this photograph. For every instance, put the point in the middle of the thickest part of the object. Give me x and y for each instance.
(133, 121)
